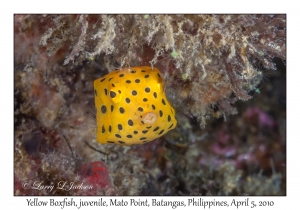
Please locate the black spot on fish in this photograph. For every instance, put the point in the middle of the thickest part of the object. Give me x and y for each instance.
(161, 132)
(122, 110)
(112, 94)
(160, 113)
(121, 75)
(111, 108)
(134, 93)
(129, 136)
(103, 109)
(145, 99)
(153, 107)
(137, 81)
(102, 80)
(118, 135)
(169, 118)
(155, 95)
(127, 100)
(130, 122)
(155, 129)
(120, 127)
(147, 89)
(163, 102)
(140, 109)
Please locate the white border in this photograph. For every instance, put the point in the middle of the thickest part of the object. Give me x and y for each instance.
(154, 6)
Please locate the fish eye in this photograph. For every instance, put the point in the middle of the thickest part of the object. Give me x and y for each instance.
(116, 96)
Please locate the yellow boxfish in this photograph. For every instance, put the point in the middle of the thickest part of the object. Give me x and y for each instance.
(132, 107)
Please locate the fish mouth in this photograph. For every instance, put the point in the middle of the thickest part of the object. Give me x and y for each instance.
(149, 118)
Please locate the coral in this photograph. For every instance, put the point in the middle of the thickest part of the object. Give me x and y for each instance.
(209, 52)
(211, 64)
(97, 175)
(260, 185)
